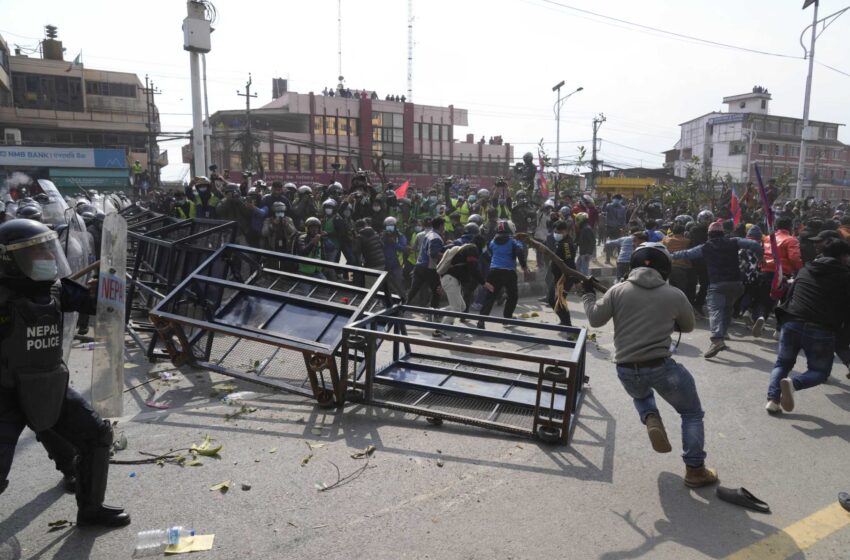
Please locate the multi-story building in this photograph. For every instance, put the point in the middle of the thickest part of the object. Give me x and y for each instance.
(77, 126)
(299, 137)
(731, 142)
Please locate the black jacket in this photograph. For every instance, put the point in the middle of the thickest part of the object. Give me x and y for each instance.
(820, 294)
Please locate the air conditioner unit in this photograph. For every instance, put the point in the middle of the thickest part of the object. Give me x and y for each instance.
(12, 136)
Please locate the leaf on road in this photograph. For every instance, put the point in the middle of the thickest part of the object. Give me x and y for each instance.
(321, 486)
(313, 446)
(206, 448)
(273, 450)
(222, 487)
(60, 524)
(306, 459)
(226, 388)
(193, 463)
(365, 453)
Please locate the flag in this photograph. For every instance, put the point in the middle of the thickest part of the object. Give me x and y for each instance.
(401, 192)
(543, 190)
(78, 61)
(735, 206)
(778, 285)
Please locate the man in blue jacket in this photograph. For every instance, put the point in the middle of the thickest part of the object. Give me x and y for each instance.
(725, 286)
(425, 271)
(504, 251)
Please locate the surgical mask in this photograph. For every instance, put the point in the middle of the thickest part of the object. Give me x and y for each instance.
(43, 270)
(279, 215)
(558, 236)
(376, 207)
(329, 211)
(390, 228)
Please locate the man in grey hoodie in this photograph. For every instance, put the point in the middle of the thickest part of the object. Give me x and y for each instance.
(646, 310)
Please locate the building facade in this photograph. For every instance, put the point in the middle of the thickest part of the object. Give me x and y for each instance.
(300, 137)
(77, 126)
(732, 142)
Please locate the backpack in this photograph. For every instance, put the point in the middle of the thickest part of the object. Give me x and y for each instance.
(446, 261)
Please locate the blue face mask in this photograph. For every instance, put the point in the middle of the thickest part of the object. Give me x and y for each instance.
(558, 236)
(390, 227)
(44, 270)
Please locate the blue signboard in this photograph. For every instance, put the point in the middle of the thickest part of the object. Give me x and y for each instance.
(110, 159)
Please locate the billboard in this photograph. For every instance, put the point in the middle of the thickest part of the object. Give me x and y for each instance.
(32, 156)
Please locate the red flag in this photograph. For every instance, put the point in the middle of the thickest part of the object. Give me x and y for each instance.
(736, 208)
(401, 192)
(543, 190)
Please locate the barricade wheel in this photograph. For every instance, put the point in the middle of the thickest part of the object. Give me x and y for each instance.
(325, 398)
(354, 395)
(434, 421)
(549, 434)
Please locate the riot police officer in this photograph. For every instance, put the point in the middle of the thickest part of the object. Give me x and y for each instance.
(34, 387)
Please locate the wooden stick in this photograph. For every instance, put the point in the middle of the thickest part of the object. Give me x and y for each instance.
(83, 271)
(565, 270)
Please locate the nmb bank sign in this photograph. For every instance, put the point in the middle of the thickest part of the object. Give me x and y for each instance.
(17, 156)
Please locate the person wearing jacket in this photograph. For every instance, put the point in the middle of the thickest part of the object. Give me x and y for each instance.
(560, 242)
(425, 271)
(504, 251)
(625, 247)
(462, 271)
(586, 243)
(792, 261)
(682, 275)
(615, 223)
(646, 310)
(310, 244)
(817, 308)
(394, 245)
(725, 287)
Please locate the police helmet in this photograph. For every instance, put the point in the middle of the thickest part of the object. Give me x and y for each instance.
(549, 204)
(304, 190)
(683, 219)
(390, 221)
(329, 203)
(312, 221)
(475, 219)
(471, 228)
(587, 200)
(30, 249)
(279, 209)
(566, 211)
(653, 255)
(335, 190)
(483, 193)
(705, 217)
(30, 212)
(521, 196)
(289, 187)
(231, 188)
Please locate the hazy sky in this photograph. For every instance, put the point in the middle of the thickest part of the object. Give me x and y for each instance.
(497, 58)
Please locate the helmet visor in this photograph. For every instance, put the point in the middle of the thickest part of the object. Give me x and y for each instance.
(40, 258)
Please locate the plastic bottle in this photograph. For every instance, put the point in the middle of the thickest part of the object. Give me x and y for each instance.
(154, 541)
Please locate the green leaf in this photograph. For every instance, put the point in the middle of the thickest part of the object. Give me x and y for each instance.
(206, 448)
(222, 487)
(193, 463)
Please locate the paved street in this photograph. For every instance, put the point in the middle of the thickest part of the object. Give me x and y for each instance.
(459, 491)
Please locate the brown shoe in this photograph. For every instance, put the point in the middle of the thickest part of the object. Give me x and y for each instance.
(697, 477)
(715, 348)
(657, 434)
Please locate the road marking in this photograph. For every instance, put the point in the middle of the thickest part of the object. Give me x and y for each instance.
(799, 536)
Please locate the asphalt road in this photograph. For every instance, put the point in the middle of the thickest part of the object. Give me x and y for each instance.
(459, 491)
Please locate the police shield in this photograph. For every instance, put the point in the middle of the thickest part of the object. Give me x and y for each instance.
(108, 367)
(77, 243)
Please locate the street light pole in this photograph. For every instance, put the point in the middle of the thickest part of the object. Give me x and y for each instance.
(807, 101)
(558, 104)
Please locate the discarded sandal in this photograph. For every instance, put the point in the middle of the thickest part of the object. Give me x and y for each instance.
(742, 497)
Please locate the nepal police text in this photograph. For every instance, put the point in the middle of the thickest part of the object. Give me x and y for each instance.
(42, 337)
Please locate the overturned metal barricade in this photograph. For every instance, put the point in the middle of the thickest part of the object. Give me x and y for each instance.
(162, 258)
(269, 318)
(527, 381)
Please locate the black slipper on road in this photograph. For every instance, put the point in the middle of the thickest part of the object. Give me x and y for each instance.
(742, 497)
(844, 500)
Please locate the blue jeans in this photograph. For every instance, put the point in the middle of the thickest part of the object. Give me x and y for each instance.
(676, 386)
(583, 264)
(720, 301)
(818, 344)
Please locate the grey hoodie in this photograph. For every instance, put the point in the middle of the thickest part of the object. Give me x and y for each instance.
(645, 309)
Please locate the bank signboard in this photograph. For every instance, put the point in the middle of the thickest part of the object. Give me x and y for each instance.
(31, 156)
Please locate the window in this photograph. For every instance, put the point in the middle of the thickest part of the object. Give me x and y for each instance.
(772, 126)
(795, 151)
(417, 131)
(777, 149)
(831, 133)
(291, 162)
(764, 103)
(235, 161)
(758, 126)
(330, 126)
(446, 129)
(763, 149)
(113, 89)
(737, 148)
(278, 162)
(58, 93)
(304, 163)
(426, 132)
(264, 160)
(810, 152)
(787, 127)
(318, 125)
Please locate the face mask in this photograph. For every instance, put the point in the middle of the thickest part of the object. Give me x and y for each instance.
(558, 236)
(329, 211)
(43, 270)
(390, 228)
(472, 198)
(376, 208)
(280, 215)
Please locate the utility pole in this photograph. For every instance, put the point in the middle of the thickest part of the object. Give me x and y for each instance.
(409, 51)
(149, 90)
(807, 101)
(594, 163)
(196, 39)
(558, 104)
(248, 139)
